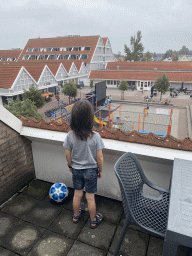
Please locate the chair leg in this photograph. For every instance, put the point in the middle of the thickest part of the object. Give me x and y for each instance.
(125, 226)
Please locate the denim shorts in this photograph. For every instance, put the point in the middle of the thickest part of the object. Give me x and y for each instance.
(85, 178)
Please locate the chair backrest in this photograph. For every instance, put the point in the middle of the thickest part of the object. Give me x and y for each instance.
(131, 179)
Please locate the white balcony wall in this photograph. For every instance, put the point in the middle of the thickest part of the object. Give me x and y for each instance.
(50, 163)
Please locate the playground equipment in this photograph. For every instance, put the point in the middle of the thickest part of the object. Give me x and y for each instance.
(52, 113)
(110, 116)
(99, 121)
(160, 127)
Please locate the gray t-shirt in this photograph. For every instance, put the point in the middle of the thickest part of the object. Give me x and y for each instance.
(83, 153)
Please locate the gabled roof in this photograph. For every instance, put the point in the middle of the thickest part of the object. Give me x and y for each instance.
(35, 72)
(8, 76)
(10, 53)
(78, 41)
(140, 75)
(105, 40)
(10, 70)
(159, 65)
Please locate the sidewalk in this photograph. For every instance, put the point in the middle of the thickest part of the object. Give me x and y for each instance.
(32, 225)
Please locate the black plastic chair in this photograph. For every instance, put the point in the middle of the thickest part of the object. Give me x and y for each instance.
(148, 212)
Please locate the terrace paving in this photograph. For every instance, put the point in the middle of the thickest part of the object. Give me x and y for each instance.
(31, 224)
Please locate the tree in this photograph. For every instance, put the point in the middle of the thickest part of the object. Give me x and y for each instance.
(184, 50)
(147, 56)
(91, 83)
(26, 109)
(118, 55)
(162, 84)
(169, 53)
(176, 57)
(136, 51)
(70, 90)
(154, 55)
(35, 96)
(123, 87)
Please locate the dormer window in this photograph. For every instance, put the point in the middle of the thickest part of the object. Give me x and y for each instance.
(29, 49)
(87, 48)
(84, 56)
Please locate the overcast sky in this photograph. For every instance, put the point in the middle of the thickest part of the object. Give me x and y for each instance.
(164, 24)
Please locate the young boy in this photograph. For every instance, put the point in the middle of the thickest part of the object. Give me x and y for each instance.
(83, 149)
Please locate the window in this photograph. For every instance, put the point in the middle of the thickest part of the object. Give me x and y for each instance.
(32, 57)
(115, 82)
(73, 57)
(41, 57)
(26, 57)
(84, 56)
(69, 49)
(108, 81)
(145, 84)
(76, 48)
(66, 57)
(36, 50)
(141, 84)
(29, 49)
(56, 49)
(48, 49)
(52, 57)
(61, 57)
(87, 48)
(148, 83)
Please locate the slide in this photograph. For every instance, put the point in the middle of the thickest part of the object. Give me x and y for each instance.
(99, 122)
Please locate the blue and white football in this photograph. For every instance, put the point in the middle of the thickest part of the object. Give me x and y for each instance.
(58, 192)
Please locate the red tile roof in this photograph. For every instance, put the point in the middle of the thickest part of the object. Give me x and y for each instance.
(159, 65)
(8, 76)
(134, 137)
(140, 75)
(78, 41)
(35, 72)
(10, 53)
(104, 40)
(33, 67)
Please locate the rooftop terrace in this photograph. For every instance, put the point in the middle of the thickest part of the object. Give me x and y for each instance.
(31, 224)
